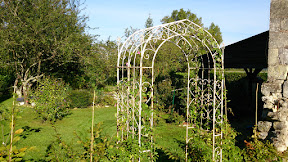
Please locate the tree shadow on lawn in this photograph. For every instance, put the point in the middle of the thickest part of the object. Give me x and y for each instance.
(28, 131)
(163, 157)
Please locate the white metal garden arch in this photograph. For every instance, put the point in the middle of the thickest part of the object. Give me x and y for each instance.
(205, 80)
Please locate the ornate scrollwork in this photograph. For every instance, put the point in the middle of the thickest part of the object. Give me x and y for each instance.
(204, 96)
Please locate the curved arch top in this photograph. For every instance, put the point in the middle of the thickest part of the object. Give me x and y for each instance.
(194, 41)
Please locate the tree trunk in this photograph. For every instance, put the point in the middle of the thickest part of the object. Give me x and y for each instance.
(17, 90)
(25, 92)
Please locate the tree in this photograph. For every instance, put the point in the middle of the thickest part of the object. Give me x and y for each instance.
(130, 31)
(182, 14)
(39, 36)
(149, 22)
(100, 64)
(215, 31)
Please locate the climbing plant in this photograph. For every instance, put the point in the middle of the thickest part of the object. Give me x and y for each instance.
(136, 75)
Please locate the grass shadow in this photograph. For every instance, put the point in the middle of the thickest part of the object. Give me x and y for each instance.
(28, 131)
(163, 157)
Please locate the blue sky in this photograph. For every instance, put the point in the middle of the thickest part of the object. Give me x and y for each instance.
(237, 19)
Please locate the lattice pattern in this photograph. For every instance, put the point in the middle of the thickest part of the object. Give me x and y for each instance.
(135, 79)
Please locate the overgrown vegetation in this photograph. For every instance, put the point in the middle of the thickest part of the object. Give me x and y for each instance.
(50, 99)
(80, 98)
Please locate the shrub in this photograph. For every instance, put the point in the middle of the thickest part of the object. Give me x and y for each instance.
(104, 148)
(108, 100)
(50, 98)
(175, 118)
(164, 95)
(257, 150)
(80, 98)
(104, 98)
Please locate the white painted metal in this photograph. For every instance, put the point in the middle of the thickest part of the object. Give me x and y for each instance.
(135, 91)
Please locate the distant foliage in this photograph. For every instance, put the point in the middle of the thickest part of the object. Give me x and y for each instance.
(50, 98)
(40, 37)
(104, 99)
(100, 65)
(6, 81)
(182, 14)
(80, 98)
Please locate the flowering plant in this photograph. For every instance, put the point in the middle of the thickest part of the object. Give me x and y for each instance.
(50, 99)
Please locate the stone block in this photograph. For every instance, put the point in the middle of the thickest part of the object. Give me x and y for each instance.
(286, 140)
(282, 116)
(278, 39)
(262, 135)
(284, 23)
(272, 87)
(280, 146)
(275, 24)
(283, 56)
(273, 58)
(268, 105)
(264, 126)
(273, 115)
(278, 9)
(279, 125)
(284, 104)
(278, 72)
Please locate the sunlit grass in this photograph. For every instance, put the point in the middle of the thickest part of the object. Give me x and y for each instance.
(168, 137)
(41, 134)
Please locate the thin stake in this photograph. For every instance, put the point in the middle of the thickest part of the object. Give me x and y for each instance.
(92, 128)
(12, 127)
(256, 113)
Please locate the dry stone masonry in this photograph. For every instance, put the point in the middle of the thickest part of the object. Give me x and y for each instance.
(275, 91)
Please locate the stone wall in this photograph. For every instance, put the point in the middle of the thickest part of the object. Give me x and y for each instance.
(275, 91)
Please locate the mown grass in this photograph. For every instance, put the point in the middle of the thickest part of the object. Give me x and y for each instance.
(41, 134)
(168, 137)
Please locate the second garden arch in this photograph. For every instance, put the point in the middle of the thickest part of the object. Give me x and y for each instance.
(204, 89)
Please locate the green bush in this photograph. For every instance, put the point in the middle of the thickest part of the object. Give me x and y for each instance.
(50, 98)
(164, 95)
(104, 98)
(80, 98)
(257, 150)
(175, 118)
(108, 100)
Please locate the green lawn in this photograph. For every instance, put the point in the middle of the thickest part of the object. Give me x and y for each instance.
(41, 134)
(168, 137)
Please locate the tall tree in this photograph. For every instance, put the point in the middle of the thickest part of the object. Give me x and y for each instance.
(39, 36)
(149, 22)
(215, 31)
(182, 14)
(100, 64)
(129, 31)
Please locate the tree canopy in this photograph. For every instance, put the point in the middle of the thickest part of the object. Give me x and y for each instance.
(39, 36)
(182, 14)
(149, 22)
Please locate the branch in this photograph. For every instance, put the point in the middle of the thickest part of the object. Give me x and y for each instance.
(33, 79)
